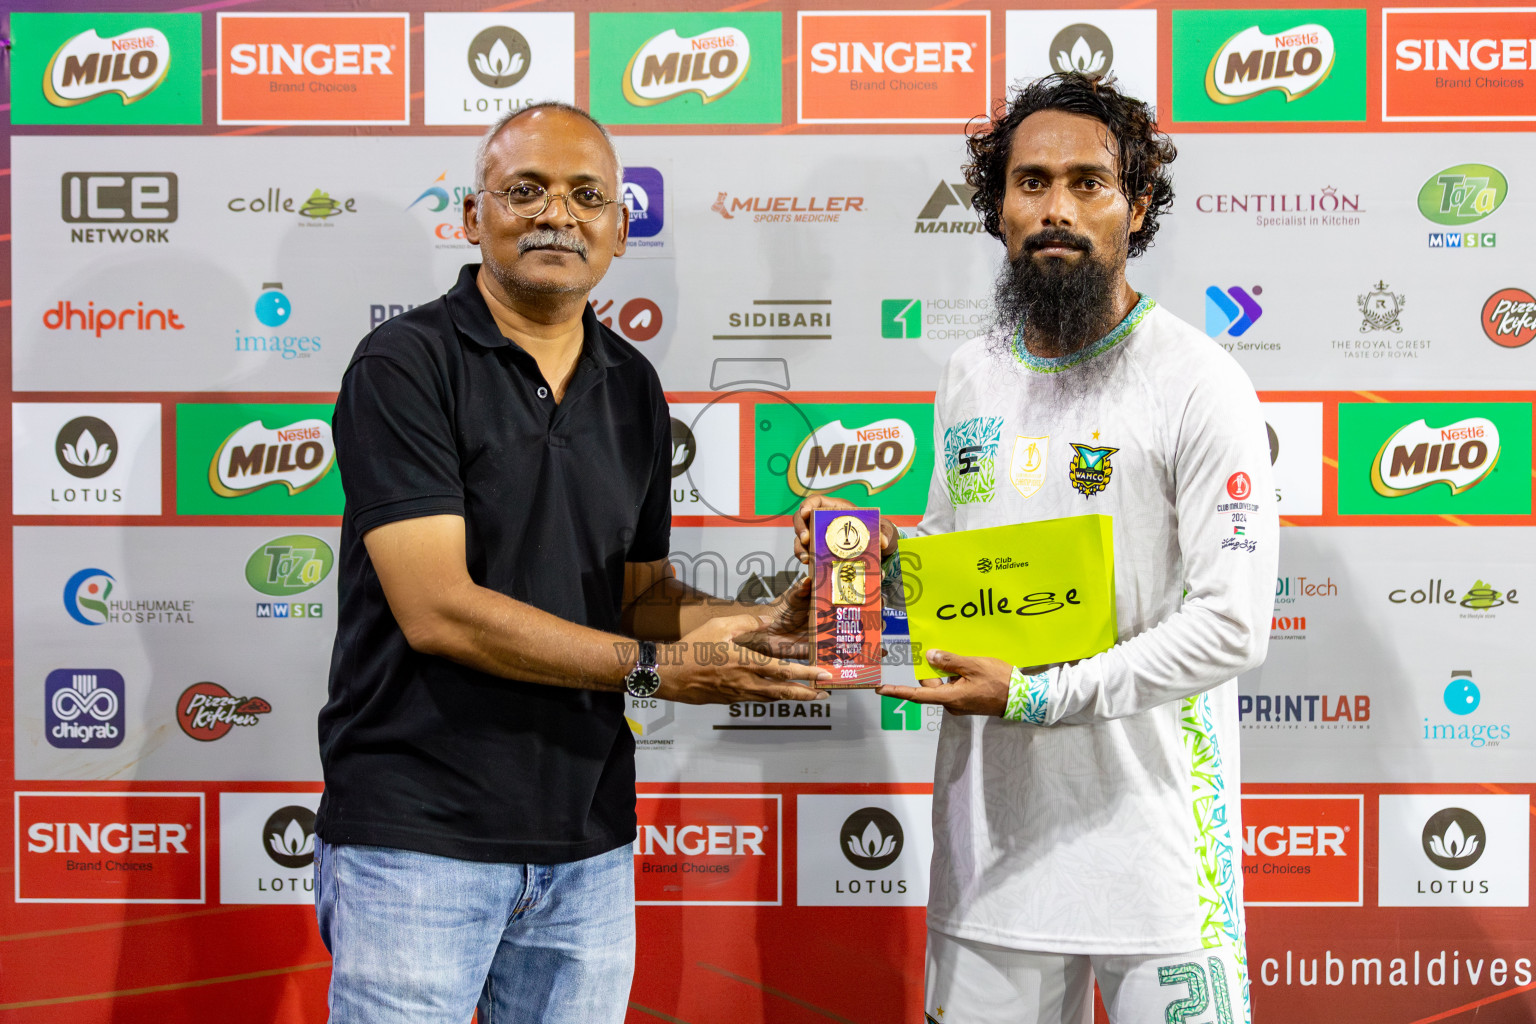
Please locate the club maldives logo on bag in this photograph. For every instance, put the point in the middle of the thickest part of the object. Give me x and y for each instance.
(256, 460)
(686, 68)
(92, 69)
(314, 68)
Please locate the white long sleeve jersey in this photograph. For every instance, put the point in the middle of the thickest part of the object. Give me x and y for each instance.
(1110, 823)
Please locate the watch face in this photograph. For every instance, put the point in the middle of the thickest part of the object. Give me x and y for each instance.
(642, 682)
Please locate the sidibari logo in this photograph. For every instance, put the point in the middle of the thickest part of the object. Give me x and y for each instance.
(1454, 839)
(667, 66)
(1463, 194)
(288, 837)
(86, 447)
(297, 456)
(1252, 62)
(1459, 455)
(289, 565)
(132, 65)
(871, 838)
(833, 456)
(207, 711)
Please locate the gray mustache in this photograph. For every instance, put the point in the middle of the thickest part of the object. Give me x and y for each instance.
(548, 238)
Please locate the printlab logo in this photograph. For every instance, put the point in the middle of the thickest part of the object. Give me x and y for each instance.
(1509, 317)
(1454, 839)
(86, 447)
(1380, 309)
(871, 839)
(1231, 312)
(86, 594)
(83, 708)
(1083, 48)
(499, 57)
(207, 711)
(288, 837)
(1459, 196)
(644, 194)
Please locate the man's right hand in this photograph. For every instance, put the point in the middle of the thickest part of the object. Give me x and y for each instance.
(802, 523)
(708, 667)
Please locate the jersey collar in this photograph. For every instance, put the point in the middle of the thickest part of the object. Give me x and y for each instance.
(1041, 364)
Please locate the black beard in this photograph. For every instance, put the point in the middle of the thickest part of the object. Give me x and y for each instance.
(1066, 304)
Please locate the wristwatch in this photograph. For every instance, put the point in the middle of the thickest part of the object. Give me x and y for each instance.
(643, 680)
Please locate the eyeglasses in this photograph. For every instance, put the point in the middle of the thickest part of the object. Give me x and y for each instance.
(526, 199)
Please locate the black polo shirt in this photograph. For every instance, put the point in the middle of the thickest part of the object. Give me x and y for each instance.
(440, 413)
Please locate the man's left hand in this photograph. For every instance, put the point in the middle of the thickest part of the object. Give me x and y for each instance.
(786, 634)
(977, 686)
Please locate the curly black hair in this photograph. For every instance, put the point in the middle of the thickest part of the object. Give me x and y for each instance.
(1144, 152)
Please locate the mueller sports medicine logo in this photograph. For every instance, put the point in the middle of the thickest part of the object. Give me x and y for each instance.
(668, 65)
(119, 198)
(784, 209)
(314, 68)
(1293, 62)
(255, 456)
(132, 65)
(889, 67)
(876, 455)
(109, 848)
(83, 708)
(1471, 64)
(1460, 455)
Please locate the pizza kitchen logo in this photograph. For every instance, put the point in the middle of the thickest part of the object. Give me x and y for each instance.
(207, 711)
(1293, 62)
(1509, 317)
(668, 65)
(297, 456)
(1459, 455)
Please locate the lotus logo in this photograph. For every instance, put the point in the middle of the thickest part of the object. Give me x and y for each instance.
(871, 838)
(1460, 455)
(1252, 62)
(1082, 48)
(86, 447)
(499, 57)
(289, 837)
(87, 66)
(684, 447)
(834, 456)
(668, 66)
(1463, 194)
(1454, 838)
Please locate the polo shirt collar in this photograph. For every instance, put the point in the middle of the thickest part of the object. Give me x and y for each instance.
(472, 317)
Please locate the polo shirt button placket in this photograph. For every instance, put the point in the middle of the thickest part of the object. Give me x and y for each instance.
(543, 392)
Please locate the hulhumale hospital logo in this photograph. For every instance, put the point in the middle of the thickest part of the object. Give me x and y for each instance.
(86, 594)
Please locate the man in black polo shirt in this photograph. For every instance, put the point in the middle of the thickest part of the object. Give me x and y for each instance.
(507, 463)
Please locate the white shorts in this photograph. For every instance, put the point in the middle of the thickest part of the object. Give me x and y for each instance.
(977, 983)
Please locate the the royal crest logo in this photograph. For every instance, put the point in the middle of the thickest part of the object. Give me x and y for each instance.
(1460, 455)
(1027, 470)
(132, 65)
(1380, 309)
(1090, 469)
(668, 66)
(970, 459)
(833, 456)
(256, 456)
(1252, 62)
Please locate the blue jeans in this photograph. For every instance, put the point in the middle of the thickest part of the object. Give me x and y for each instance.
(418, 939)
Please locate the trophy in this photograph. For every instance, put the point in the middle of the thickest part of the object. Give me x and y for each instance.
(845, 605)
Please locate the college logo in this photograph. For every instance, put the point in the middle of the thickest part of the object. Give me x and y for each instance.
(1027, 470)
(79, 847)
(314, 68)
(686, 68)
(1273, 65)
(1479, 598)
(289, 837)
(970, 459)
(1509, 317)
(86, 447)
(207, 712)
(83, 708)
(317, 210)
(1463, 849)
(1231, 312)
(1303, 850)
(1468, 64)
(1090, 469)
(863, 850)
(1390, 467)
(289, 565)
(715, 848)
(1460, 455)
(893, 67)
(107, 68)
(480, 66)
(1380, 309)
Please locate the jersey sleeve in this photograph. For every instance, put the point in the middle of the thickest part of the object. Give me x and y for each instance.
(1228, 536)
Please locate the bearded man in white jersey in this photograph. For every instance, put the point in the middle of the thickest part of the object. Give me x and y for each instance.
(1086, 815)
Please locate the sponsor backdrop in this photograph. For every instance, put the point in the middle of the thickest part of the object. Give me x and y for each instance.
(209, 207)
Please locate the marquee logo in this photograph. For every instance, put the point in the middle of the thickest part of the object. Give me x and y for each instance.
(668, 65)
(1252, 62)
(207, 711)
(132, 65)
(833, 456)
(255, 456)
(1509, 317)
(893, 67)
(83, 708)
(314, 68)
(1463, 194)
(1470, 64)
(1459, 455)
(954, 199)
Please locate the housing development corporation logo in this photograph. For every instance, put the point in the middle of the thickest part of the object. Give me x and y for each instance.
(1459, 196)
(83, 708)
(686, 68)
(1509, 317)
(1468, 64)
(893, 67)
(351, 68)
(106, 68)
(1271, 65)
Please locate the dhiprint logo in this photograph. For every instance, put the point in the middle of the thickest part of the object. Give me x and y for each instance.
(297, 456)
(871, 838)
(1454, 839)
(132, 65)
(288, 837)
(86, 594)
(1082, 48)
(207, 711)
(86, 447)
(1231, 312)
(83, 708)
(1509, 317)
(499, 57)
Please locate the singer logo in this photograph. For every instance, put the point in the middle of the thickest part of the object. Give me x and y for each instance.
(109, 848)
(1472, 64)
(698, 848)
(314, 69)
(132, 65)
(1459, 455)
(668, 65)
(256, 456)
(916, 66)
(1302, 850)
(835, 456)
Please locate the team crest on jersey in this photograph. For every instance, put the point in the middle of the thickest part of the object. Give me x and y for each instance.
(1090, 469)
(1027, 471)
(970, 459)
